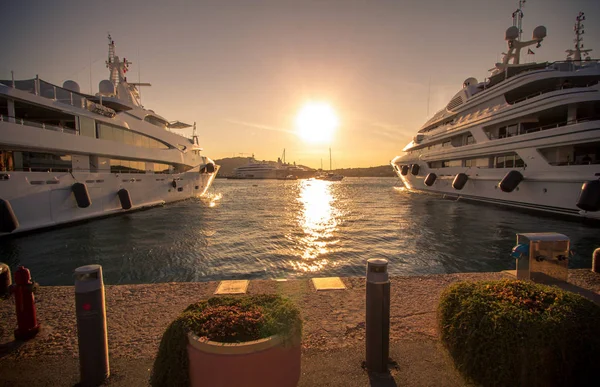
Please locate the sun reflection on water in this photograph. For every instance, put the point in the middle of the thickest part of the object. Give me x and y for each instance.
(212, 199)
(319, 219)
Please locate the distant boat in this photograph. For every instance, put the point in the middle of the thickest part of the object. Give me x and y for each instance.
(279, 170)
(329, 176)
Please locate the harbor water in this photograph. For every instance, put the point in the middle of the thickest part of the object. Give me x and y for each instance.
(260, 229)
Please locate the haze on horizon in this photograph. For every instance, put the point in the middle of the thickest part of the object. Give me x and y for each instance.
(244, 70)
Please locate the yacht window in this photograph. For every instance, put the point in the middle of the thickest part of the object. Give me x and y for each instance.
(156, 121)
(128, 137)
(127, 166)
(41, 116)
(3, 108)
(512, 130)
(519, 163)
(180, 168)
(106, 132)
(42, 162)
(87, 127)
(499, 163)
(509, 161)
(119, 135)
(482, 162)
(7, 163)
(161, 168)
(577, 154)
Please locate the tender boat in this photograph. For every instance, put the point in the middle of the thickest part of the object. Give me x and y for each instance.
(526, 137)
(66, 156)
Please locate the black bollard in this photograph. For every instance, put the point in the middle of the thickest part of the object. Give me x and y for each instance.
(378, 315)
(90, 310)
(5, 280)
(596, 261)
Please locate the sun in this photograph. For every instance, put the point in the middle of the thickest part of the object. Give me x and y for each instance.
(316, 122)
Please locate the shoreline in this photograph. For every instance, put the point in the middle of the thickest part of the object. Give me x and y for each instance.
(137, 315)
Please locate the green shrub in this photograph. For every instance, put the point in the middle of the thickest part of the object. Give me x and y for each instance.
(514, 333)
(222, 319)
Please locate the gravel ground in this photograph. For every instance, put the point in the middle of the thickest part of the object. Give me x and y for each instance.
(137, 315)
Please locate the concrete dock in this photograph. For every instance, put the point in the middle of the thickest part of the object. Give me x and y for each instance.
(333, 338)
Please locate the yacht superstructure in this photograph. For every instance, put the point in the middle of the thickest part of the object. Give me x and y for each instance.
(526, 137)
(67, 156)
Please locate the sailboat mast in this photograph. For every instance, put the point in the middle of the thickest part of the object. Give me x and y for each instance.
(330, 159)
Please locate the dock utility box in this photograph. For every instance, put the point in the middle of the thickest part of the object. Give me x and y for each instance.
(542, 257)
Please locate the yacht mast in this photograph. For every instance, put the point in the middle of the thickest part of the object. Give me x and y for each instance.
(515, 44)
(329, 159)
(578, 28)
(518, 18)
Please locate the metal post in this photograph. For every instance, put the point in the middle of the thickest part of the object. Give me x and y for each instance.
(596, 261)
(90, 310)
(5, 280)
(378, 315)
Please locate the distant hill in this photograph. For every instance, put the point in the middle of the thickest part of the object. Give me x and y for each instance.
(380, 171)
(228, 164)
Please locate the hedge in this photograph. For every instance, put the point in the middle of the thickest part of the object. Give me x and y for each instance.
(515, 333)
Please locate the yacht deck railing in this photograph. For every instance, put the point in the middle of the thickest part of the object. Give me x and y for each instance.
(41, 125)
(47, 90)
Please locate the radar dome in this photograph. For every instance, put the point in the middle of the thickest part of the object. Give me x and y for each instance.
(106, 87)
(72, 86)
(470, 82)
(539, 33)
(512, 33)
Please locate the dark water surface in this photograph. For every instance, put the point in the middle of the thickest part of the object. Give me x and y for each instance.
(285, 229)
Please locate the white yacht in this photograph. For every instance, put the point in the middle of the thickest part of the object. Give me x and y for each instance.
(256, 170)
(526, 137)
(66, 156)
(268, 170)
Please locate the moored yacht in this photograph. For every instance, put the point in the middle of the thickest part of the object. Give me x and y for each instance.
(269, 170)
(526, 137)
(67, 156)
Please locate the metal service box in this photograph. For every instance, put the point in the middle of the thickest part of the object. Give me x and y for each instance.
(544, 257)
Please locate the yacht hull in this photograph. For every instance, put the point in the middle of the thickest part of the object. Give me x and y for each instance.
(46, 199)
(556, 195)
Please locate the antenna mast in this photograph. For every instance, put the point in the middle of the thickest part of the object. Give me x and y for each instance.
(115, 66)
(513, 38)
(578, 28)
(518, 17)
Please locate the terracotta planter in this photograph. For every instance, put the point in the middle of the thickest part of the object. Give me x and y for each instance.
(265, 363)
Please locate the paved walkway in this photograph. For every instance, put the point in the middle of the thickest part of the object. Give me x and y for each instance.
(333, 337)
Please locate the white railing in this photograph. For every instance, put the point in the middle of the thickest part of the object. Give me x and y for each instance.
(40, 125)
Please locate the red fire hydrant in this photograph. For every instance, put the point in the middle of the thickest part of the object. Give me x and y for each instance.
(27, 324)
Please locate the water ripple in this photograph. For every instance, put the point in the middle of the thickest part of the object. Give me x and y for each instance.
(278, 229)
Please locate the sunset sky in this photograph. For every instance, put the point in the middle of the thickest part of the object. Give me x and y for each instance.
(244, 69)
